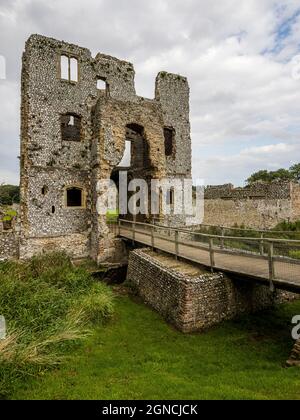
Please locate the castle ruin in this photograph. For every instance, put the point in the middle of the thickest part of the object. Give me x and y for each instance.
(258, 206)
(79, 114)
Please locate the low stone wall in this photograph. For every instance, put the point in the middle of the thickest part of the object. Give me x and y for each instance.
(9, 245)
(252, 213)
(75, 245)
(294, 360)
(259, 206)
(260, 190)
(197, 301)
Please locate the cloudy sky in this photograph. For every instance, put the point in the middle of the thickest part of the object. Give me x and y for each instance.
(242, 58)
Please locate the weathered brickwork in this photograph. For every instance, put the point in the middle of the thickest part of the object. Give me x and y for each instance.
(259, 206)
(198, 301)
(73, 135)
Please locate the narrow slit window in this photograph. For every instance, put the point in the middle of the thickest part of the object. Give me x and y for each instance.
(170, 197)
(71, 127)
(53, 209)
(169, 134)
(74, 197)
(44, 190)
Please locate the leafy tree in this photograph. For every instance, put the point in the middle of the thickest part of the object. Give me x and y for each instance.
(295, 171)
(9, 194)
(263, 175)
(280, 175)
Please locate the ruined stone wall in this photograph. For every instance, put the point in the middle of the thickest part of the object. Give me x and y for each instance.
(47, 160)
(193, 302)
(261, 206)
(75, 245)
(55, 157)
(256, 214)
(172, 91)
(257, 191)
(295, 197)
(9, 245)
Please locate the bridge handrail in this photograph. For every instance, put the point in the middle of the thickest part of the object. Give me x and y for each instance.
(266, 246)
(207, 235)
(245, 229)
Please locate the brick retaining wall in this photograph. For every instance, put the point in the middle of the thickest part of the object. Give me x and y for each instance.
(193, 303)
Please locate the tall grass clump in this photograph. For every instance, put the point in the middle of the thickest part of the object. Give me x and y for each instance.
(37, 299)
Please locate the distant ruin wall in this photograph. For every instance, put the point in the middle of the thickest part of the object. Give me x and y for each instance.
(295, 195)
(260, 206)
(257, 191)
(9, 245)
(194, 303)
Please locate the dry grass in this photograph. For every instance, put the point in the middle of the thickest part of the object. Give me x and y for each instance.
(48, 305)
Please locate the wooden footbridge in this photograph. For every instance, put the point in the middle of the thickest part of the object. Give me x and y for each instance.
(273, 261)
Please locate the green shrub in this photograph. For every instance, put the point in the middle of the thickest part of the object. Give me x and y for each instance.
(288, 226)
(9, 194)
(295, 254)
(112, 216)
(97, 305)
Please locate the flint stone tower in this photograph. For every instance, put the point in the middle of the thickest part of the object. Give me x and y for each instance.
(78, 116)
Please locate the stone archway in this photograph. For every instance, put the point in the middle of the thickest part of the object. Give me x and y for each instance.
(114, 123)
(136, 163)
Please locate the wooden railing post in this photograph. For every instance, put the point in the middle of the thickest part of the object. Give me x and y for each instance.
(152, 237)
(261, 244)
(212, 254)
(133, 232)
(271, 265)
(222, 240)
(176, 244)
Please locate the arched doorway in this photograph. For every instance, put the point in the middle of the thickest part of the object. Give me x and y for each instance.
(135, 163)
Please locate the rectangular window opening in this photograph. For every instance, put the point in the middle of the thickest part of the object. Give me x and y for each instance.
(69, 68)
(70, 127)
(169, 135)
(74, 70)
(64, 67)
(101, 84)
(74, 197)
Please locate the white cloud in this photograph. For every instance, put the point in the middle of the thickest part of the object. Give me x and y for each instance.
(271, 148)
(237, 55)
(9, 177)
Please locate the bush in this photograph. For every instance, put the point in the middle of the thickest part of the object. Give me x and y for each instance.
(37, 299)
(98, 306)
(295, 254)
(288, 226)
(9, 194)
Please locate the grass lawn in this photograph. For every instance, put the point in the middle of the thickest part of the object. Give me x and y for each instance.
(138, 356)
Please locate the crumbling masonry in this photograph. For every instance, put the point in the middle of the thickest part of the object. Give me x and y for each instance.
(78, 113)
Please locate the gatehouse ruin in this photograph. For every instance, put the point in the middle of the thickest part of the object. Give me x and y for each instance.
(82, 122)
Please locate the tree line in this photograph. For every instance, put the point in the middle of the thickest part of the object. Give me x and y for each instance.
(291, 174)
(9, 194)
